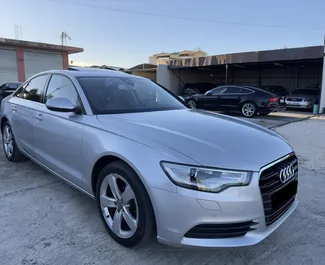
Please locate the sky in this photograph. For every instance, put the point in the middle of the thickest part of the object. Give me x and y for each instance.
(126, 32)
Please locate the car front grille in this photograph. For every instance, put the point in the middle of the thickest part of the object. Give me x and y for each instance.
(277, 195)
(214, 231)
(295, 99)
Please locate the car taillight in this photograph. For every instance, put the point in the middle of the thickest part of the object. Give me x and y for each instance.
(273, 99)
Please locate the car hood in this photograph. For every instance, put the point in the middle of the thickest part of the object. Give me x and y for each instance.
(302, 96)
(209, 139)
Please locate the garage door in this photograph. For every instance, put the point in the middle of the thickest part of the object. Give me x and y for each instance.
(8, 66)
(36, 62)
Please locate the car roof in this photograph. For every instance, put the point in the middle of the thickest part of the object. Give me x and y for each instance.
(91, 72)
(258, 89)
(13, 82)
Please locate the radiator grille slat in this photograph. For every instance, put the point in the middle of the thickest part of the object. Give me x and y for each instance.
(277, 196)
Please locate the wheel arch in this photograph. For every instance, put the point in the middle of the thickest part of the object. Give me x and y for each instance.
(106, 159)
(3, 121)
(246, 101)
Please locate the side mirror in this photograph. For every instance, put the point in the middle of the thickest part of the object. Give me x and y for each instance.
(62, 105)
(181, 98)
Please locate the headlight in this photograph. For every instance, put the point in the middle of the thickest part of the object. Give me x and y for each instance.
(205, 179)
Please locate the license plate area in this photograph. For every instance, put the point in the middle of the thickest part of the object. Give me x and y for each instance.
(281, 197)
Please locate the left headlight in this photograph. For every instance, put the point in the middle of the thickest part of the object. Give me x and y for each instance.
(204, 179)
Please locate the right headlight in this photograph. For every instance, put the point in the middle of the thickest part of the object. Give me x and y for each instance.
(203, 178)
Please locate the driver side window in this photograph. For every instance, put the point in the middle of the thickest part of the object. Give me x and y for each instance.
(62, 87)
(218, 91)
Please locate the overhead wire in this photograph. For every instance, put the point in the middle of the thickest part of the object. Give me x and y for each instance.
(233, 23)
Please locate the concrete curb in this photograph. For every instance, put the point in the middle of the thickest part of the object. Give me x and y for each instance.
(298, 120)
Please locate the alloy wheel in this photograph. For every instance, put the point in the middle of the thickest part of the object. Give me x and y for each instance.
(8, 141)
(248, 109)
(192, 104)
(119, 206)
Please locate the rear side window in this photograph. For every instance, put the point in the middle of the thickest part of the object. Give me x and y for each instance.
(34, 89)
(237, 90)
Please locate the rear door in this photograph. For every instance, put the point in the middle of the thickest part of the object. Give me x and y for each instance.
(58, 135)
(23, 104)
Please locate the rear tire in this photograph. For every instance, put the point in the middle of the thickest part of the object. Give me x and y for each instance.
(248, 109)
(9, 145)
(124, 206)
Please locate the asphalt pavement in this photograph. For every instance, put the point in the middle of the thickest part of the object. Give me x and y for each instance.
(277, 119)
(44, 221)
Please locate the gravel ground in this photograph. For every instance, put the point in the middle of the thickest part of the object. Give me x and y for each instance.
(44, 221)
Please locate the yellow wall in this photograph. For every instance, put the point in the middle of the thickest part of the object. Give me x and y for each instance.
(151, 75)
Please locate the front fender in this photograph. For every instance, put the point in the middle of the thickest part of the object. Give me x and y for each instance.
(142, 158)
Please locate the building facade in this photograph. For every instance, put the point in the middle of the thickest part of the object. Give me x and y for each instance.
(20, 60)
(165, 58)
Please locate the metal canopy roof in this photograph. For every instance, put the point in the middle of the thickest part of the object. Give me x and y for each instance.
(312, 53)
(39, 45)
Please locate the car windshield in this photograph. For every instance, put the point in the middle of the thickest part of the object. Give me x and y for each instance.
(107, 95)
(305, 92)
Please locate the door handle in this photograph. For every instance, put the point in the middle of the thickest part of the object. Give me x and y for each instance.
(39, 116)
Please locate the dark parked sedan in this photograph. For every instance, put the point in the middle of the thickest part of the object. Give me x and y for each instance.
(8, 88)
(247, 100)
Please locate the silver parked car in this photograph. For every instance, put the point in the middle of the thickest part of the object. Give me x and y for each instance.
(302, 98)
(155, 167)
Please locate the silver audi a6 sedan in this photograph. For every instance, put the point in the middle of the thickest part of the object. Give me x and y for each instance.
(155, 167)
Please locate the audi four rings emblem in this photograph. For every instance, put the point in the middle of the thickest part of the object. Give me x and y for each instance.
(286, 174)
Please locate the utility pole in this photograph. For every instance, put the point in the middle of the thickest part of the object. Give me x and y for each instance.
(18, 32)
(64, 37)
(226, 77)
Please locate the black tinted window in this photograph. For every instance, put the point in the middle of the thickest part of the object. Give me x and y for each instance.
(233, 89)
(218, 90)
(305, 92)
(3, 87)
(33, 90)
(13, 86)
(126, 94)
(62, 87)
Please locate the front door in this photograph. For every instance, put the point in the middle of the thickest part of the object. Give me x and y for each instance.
(58, 135)
(230, 98)
(211, 100)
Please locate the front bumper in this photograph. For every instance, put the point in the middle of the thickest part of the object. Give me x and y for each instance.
(177, 213)
(300, 105)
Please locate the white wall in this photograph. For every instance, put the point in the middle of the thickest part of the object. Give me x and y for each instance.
(322, 97)
(8, 66)
(36, 62)
(167, 79)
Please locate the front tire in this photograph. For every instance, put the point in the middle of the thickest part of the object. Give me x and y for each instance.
(9, 145)
(125, 206)
(192, 104)
(248, 109)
